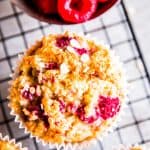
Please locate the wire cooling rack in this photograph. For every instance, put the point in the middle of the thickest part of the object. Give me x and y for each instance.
(18, 31)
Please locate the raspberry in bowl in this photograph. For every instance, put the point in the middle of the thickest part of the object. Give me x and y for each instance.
(65, 11)
(67, 89)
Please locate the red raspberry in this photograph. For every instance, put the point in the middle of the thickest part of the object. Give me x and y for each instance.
(90, 119)
(40, 113)
(108, 107)
(76, 11)
(45, 120)
(34, 108)
(46, 6)
(51, 66)
(62, 42)
(81, 114)
(62, 106)
(31, 93)
(27, 95)
(72, 108)
(81, 51)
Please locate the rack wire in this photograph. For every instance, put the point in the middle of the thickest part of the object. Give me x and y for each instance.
(18, 31)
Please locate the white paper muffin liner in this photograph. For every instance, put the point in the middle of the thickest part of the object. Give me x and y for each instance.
(12, 141)
(85, 144)
(123, 147)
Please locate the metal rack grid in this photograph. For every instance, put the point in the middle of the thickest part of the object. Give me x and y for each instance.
(18, 31)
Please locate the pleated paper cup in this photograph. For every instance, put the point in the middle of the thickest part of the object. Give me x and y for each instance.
(12, 142)
(83, 145)
(130, 147)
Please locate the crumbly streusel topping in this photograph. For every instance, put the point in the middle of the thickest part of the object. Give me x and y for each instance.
(67, 89)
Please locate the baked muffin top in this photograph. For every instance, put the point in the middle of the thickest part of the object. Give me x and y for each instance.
(67, 89)
(5, 145)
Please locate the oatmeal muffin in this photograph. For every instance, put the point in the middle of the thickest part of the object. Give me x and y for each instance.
(6, 144)
(67, 89)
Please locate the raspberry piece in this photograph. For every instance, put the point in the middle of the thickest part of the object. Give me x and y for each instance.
(45, 120)
(76, 11)
(27, 95)
(51, 66)
(62, 42)
(34, 93)
(90, 119)
(81, 51)
(108, 107)
(34, 108)
(31, 93)
(81, 114)
(46, 6)
(72, 107)
(40, 113)
(62, 106)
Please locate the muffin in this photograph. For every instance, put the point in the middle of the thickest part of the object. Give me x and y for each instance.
(6, 144)
(67, 89)
(130, 148)
(136, 148)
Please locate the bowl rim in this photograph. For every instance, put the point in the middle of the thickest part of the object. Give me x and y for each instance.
(35, 14)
